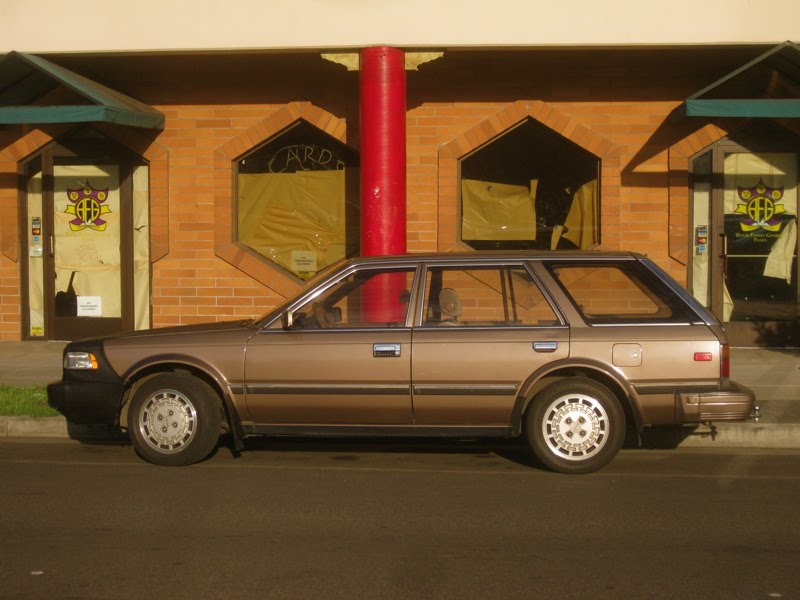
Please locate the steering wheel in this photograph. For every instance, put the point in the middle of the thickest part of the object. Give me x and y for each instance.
(322, 316)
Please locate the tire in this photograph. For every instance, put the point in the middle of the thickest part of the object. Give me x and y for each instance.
(174, 419)
(575, 426)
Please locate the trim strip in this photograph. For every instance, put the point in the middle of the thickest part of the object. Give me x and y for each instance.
(465, 390)
(378, 431)
(328, 389)
(686, 388)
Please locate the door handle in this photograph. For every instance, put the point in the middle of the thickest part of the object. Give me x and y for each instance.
(724, 254)
(385, 350)
(545, 346)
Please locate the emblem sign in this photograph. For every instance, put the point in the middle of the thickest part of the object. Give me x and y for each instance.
(87, 204)
(761, 204)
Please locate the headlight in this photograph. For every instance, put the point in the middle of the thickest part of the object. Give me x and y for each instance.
(80, 360)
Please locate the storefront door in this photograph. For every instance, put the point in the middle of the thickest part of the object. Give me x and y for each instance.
(89, 295)
(80, 245)
(745, 244)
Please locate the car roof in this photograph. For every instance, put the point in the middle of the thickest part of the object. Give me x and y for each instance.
(497, 255)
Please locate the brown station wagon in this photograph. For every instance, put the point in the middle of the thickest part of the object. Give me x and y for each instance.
(570, 349)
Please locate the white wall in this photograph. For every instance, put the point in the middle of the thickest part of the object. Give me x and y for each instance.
(41, 26)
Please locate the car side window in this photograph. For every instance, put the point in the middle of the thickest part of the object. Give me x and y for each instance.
(367, 298)
(605, 293)
(493, 296)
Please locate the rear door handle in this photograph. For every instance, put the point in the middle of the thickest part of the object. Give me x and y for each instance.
(545, 346)
(385, 350)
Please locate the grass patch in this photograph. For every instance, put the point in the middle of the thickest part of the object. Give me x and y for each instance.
(25, 401)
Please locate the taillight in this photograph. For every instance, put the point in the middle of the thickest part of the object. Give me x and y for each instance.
(724, 360)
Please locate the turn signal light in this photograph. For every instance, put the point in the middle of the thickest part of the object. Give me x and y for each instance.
(703, 356)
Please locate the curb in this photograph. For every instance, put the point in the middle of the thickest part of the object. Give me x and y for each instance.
(54, 427)
(33, 427)
(723, 435)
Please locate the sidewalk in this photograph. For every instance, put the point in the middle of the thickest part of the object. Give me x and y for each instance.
(773, 374)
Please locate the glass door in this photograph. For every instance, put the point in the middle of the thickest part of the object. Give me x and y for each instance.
(87, 249)
(86, 232)
(745, 248)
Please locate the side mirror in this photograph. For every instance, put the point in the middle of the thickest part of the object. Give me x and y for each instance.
(288, 320)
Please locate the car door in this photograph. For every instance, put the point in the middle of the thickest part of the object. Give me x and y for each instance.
(483, 330)
(342, 358)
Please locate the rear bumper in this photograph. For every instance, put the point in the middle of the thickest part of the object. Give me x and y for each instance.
(86, 403)
(733, 402)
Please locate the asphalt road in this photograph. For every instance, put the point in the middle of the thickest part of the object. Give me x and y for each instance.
(299, 519)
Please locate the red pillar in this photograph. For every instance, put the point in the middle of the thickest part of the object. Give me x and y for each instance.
(383, 175)
(383, 151)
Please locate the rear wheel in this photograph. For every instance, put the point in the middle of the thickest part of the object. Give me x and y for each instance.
(575, 425)
(174, 419)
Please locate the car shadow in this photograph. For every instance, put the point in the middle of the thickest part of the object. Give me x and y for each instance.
(669, 438)
(97, 435)
(348, 449)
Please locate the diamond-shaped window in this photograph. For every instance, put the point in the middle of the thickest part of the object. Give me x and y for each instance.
(297, 200)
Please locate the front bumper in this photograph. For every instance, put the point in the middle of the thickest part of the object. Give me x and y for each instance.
(86, 403)
(88, 397)
(732, 402)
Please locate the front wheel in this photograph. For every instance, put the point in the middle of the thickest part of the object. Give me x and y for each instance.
(575, 425)
(174, 419)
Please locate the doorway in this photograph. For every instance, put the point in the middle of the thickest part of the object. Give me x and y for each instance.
(744, 249)
(85, 228)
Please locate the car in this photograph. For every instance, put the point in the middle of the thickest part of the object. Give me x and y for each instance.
(572, 350)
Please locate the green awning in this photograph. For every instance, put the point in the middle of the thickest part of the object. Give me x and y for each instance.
(766, 87)
(743, 108)
(24, 78)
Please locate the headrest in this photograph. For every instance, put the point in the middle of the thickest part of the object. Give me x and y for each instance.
(450, 303)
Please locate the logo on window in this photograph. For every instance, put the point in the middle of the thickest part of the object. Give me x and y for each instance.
(87, 206)
(760, 204)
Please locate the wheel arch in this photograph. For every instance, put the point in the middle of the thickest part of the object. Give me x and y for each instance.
(591, 369)
(141, 372)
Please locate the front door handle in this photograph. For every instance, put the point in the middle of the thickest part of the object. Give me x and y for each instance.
(545, 346)
(385, 350)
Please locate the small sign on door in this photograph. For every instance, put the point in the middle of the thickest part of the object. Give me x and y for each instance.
(90, 306)
(36, 237)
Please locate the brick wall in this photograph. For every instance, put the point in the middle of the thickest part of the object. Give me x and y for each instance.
(191, 284)
(615, 106)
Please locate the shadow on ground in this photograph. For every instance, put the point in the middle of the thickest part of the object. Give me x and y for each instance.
(668, 438)
(97, 434)
(349, 449)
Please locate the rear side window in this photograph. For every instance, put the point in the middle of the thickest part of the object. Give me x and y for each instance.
(491, 296)
(617, 293)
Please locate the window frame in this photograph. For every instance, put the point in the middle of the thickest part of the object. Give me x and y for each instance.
(422, 292)
(651, 286)
(273, 321)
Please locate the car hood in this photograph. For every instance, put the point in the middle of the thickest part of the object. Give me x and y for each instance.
(186, 329)
(217, 348)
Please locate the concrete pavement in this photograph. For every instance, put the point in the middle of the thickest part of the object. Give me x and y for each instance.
(773, 374)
